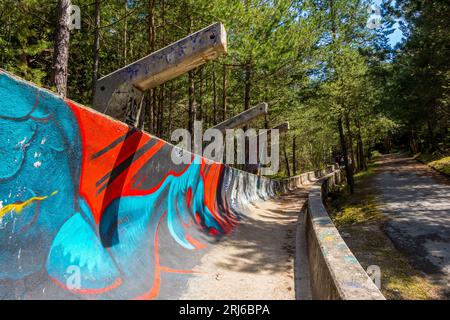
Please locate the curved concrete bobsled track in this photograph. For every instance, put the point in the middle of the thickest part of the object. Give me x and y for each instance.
(91, 209)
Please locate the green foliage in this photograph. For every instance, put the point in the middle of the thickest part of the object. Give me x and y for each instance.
(417, 84)
(26, 39)
(312, 61)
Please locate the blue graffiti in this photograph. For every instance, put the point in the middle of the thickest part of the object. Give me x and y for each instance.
(40, 152)
(41, 159)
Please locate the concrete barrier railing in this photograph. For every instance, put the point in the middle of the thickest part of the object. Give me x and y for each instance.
(334, 271)
(303, 179)
(96, 188)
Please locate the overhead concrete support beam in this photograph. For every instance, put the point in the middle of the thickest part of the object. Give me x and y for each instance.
(243, 118)
(122, 90)
(282, 127)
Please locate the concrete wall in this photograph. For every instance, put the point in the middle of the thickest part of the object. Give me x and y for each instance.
(93, 209)
(334, 271)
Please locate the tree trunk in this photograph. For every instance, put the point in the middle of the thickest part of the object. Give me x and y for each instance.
(96, 48)
(149, 110)
(207, 114)
(288, 169)
(350, 140)
(170, 109)
(200, 95)
(152, 45)
(413, 142)
(224, 93)
(151, 25)
(214, 93)
(192, 107)
(162, 97)
(191, 86)
(61, 48)
(294, 159)
(162, 87)
(432, 145)
(247, 106)
(361, 157)
(248, 85)
(362, 165)
(155, 110)
(348, 171)
(125, 34)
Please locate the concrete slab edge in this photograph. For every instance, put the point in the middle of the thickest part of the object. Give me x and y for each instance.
(335, 272)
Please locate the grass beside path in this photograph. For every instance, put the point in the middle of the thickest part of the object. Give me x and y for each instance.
(360, 222)
(437, 162)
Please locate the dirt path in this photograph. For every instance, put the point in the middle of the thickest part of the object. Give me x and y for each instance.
(417, 203)
(257, 261)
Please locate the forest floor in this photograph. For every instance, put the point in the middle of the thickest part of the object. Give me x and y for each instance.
(399, 219)
(257, 261)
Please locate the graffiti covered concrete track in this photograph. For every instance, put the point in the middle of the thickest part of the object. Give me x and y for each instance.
(257, 261)
(93, 209)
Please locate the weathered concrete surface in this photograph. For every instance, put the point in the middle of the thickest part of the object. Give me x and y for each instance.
(335, 273)
(119, 94)
(257, 261)
(243, 117)
(417, 202)
(92, 209)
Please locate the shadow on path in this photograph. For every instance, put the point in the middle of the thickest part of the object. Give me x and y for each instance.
(257, 261)
(417, 202)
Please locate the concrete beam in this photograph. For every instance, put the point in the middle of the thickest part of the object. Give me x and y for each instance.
(282, 127)
(243, 117)
(118, 93)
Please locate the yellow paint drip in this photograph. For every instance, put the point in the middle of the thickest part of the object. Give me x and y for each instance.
(18, 207)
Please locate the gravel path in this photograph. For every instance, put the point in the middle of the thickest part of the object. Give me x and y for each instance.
(417, 202)
(257, 261)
